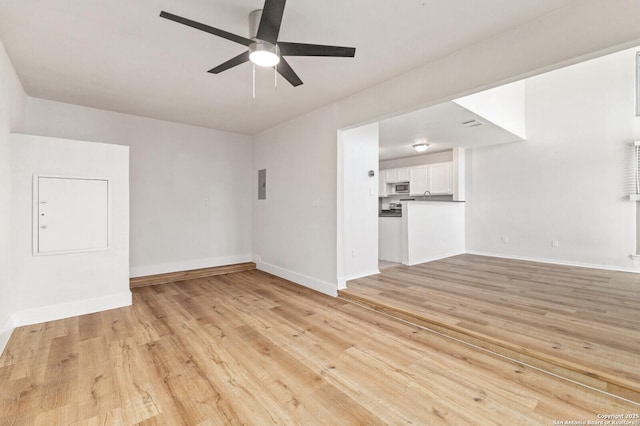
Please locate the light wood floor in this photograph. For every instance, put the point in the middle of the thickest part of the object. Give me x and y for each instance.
(578, 322)
(249, 348)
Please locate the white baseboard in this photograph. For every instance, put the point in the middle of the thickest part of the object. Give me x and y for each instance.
(5, 333)
(558, 262)
(432, 258)
(187, 265)
(71, 309)
(304, 280)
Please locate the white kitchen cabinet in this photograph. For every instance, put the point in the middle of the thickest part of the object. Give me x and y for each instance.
(390, 175)
(396, 175)
(436, 178)
(441, 178)
(419, 179)
(403, 174)
(390, 239)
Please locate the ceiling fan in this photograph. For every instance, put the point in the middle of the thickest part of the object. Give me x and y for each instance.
(264, 47)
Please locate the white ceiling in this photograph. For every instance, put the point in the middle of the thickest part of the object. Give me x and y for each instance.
(441, 127)
(120, 55)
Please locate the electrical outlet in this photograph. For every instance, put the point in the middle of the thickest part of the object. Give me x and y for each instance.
(555, 243)
(315, 202)
(205, 201)
(353, 252)
(505, 240)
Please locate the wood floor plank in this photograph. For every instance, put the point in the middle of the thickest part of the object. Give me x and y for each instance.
(250, 348)
(580, 319)
(95, 379)
(136, 394)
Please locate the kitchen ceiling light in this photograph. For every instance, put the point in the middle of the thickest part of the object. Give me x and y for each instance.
(421, 147)
(264, 54)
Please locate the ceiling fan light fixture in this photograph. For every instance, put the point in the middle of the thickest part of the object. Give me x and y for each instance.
(264, 54)
(263, 42)
(421, 147)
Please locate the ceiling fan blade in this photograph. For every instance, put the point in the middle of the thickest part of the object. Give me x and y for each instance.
(288, 73)
(269, 27)
(205, 28)
(302, 49)
(240, 59)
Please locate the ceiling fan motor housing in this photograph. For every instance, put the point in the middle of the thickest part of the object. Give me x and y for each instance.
(254, 23)
(261, 52)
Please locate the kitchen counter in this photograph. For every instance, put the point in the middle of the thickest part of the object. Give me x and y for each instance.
(432, 230)
(390, 213)
(436, 201)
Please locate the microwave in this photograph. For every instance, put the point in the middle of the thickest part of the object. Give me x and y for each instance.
(402, 188)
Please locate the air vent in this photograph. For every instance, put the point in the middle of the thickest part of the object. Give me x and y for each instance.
(471, 123)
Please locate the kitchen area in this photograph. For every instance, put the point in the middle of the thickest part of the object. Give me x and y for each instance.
(422, 160)
(421, 208)
(402, 196)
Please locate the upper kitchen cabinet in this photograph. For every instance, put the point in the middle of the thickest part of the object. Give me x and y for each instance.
(419, 179)
(397, 175)
(436, 178)
(390, 175)
(403, 174)
(441, 178)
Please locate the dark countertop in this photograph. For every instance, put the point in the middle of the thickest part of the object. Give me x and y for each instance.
(390, 213)
(438, 201)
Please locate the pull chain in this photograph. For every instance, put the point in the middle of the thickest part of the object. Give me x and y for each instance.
(254, 81)
(275, 69)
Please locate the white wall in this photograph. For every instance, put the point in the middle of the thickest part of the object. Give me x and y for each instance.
(502, 105)
(292, 238)
(59, 286)
(12, 105)
(358, 203)
(569, 181)
(174, 167)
